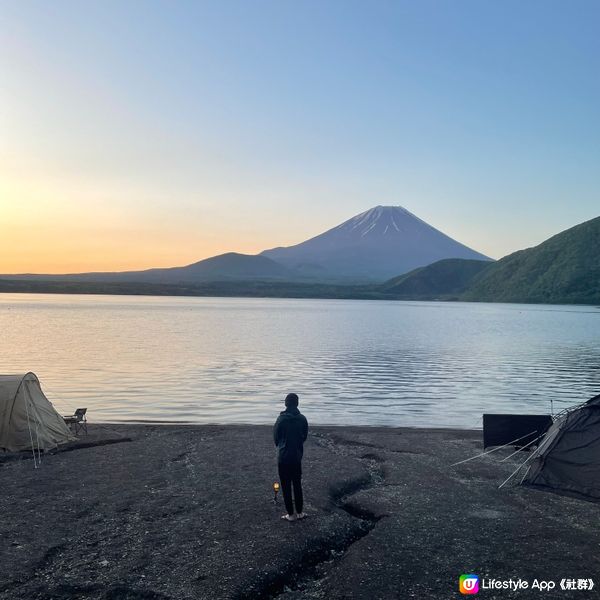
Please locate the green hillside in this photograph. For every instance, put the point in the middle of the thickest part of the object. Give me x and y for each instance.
(564, 269)
(446, 278)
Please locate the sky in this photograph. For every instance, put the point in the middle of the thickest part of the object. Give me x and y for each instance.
(149, 134)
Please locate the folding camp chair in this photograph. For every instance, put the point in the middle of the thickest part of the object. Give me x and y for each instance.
(77, 421)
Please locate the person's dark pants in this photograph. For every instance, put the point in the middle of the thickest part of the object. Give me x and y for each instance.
(291, 475)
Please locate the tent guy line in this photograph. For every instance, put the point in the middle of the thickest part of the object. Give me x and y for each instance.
(460, 462)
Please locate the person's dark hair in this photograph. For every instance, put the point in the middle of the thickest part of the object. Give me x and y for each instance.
(291, 401)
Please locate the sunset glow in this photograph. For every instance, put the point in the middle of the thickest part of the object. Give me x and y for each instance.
(135, 137)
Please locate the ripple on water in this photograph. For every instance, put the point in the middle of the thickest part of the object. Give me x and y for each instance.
(353, 362)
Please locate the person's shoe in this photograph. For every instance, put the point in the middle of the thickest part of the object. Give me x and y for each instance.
(301, 515)
(288, 517)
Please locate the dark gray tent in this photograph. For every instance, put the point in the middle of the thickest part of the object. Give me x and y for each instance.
(568, 458)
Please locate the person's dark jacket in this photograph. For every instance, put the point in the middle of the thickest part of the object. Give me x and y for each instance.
(289, 434)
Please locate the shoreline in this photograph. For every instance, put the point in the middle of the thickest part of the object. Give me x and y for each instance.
(185, 292)
(400, 429)
(174, 512)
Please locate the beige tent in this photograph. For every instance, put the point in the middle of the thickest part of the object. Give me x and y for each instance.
(27, 418)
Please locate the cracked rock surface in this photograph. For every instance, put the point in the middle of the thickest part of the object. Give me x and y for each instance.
(151, 512)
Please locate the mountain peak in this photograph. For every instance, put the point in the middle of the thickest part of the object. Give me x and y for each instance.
(376, 244)
(382, 221)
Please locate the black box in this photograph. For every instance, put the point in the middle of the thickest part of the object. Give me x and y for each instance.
(499, 430)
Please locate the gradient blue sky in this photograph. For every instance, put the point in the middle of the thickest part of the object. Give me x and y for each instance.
(139, 134)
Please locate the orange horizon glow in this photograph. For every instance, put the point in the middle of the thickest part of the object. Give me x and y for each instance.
(39, 234)
(63, 250)
(92, 263)
(55, 226)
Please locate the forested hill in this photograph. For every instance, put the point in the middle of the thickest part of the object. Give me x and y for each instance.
(443, 279)
(564, 269)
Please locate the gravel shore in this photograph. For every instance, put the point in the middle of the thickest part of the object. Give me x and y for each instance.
(175, 512)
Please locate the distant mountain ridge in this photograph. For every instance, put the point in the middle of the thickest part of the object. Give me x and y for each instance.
(375, 245)
(224, 267)
(564, 269)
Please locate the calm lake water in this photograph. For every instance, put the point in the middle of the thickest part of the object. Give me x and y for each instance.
(232, 360)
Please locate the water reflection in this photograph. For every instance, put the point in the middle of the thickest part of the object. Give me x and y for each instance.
(232, 360)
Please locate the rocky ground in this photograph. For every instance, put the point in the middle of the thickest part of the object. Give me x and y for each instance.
(185, 512)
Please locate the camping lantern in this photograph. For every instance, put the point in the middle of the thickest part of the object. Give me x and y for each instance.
(275, 491)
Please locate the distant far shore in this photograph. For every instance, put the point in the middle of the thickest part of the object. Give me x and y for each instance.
(252, 289)
(242, 289)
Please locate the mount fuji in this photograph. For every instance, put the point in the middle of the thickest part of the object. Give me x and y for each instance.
(380, 243)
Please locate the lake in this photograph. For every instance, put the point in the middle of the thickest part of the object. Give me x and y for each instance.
(232, 360)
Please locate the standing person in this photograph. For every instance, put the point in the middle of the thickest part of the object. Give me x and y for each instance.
(289, 434)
